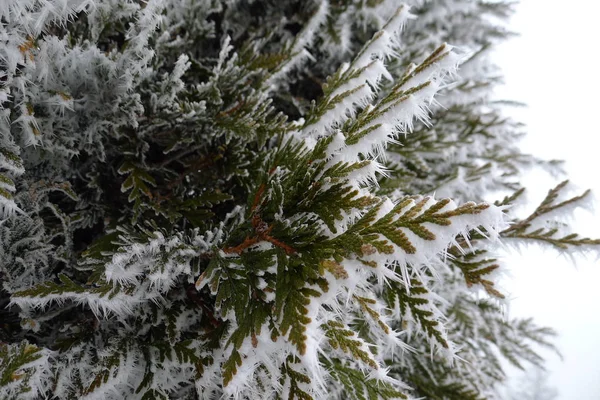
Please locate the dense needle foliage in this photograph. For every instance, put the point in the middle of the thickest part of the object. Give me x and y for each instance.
(280, 199)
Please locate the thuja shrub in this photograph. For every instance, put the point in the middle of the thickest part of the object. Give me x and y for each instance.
(259, 199)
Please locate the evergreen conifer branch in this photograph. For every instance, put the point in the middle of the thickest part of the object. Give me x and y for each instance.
(187, 211)
(476, 266)
(23, 370)
(529, 228)
(416, 307)
(361, 387)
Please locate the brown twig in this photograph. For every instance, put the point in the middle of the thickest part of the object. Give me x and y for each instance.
(261, 229)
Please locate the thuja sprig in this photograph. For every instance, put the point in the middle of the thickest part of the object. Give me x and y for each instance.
(298, 381)
(366, 305)
(331, 99)
(476, 267)
(416, 307)
(510, 199)
(409, 215)
(17, 366)
(522, 228)
(358, 385)
(345, 339)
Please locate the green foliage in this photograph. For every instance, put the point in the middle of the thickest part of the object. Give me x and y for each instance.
(18, 368)
(358, 386)
(513, 339)
(136, 184)
(66, 288)
(345, 339)
(412, 214)
(416, 307)
(297, 381)
(224, 199)
(230, 366)
(475, 266)
(526, 229)
(449, 391)
(366, 305)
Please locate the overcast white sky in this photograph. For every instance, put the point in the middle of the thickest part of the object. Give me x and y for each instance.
(554, 67)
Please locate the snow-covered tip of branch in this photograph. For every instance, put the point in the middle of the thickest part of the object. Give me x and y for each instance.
(147, 260)
(382, 44)
(410, 100)
(40, 14)
(306, 36)
(357, 83)
(120, 305)
(355, 93)
(8, 207)
(299, 47)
